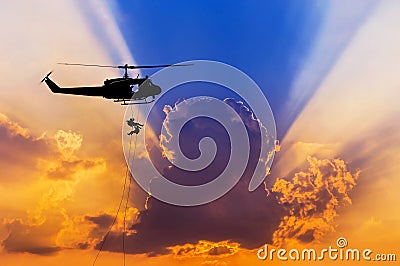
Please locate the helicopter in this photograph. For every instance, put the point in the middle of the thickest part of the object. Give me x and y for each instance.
(119, 89)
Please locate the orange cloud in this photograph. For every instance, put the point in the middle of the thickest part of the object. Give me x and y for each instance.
(20, 151)
(32, 239)
(205, 249)
(313, 198)
(67, 165)
(54, 218)
(68, 142)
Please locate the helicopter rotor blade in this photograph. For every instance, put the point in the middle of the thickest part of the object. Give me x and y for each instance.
(89, 65)
(153, 66)
(123, 66)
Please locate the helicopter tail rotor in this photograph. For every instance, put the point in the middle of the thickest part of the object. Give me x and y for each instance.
(48, 74)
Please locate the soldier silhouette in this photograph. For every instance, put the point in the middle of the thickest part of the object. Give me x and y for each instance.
(134, 125)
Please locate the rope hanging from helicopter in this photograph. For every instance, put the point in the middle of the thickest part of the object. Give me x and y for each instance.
(130, 159)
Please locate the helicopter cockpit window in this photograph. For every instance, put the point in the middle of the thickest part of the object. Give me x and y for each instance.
(148, 83)
(133, 88)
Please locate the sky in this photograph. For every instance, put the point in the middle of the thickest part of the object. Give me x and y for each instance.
(329, 72)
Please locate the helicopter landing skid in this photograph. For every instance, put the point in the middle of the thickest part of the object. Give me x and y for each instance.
(132, 102)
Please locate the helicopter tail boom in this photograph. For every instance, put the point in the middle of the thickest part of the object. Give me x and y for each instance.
(86, 91)
(53, 87)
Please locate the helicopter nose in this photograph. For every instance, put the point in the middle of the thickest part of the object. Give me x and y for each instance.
(157, 89)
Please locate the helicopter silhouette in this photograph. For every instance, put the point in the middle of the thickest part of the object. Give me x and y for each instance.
(120, 89)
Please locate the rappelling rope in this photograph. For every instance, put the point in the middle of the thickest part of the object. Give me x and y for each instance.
(130, 181)
(122, 198)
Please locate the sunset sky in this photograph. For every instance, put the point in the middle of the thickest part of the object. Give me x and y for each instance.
(329, 69)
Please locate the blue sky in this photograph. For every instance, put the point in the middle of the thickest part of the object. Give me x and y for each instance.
(268, 40)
